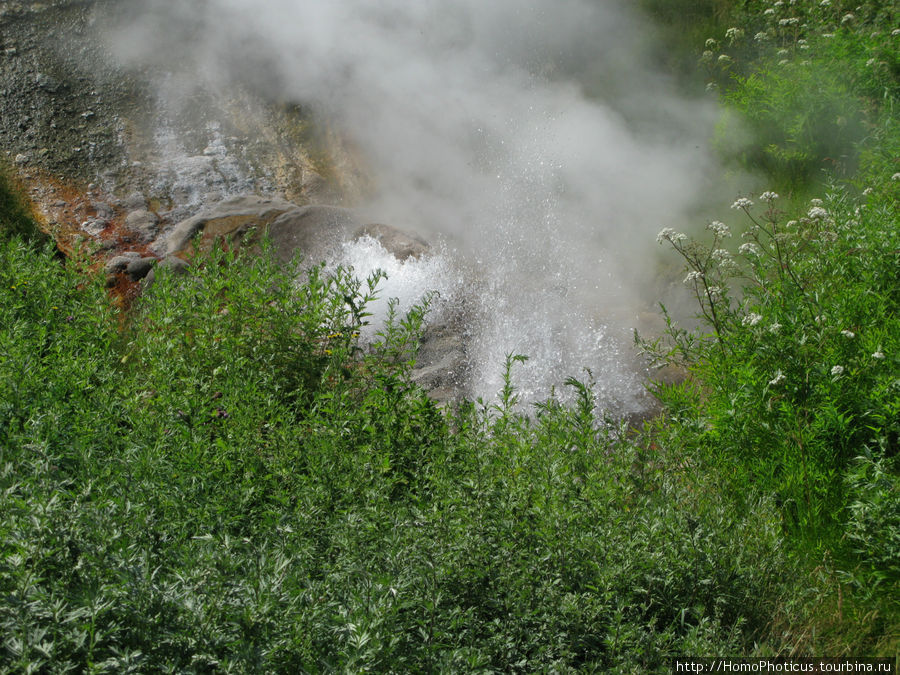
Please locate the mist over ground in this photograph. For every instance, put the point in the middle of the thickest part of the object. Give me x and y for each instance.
(532, 139)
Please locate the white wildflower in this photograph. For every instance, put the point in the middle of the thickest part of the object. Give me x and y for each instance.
(783, 62)
(665, 234)
(870, 63)
(719, 229)
(734, 34)
(693, 277)
(715, 292)
(825, 3)
(769, 12)
(711, 44)
(711, 86)
(778, 379)
(742, 203)
(782, 52)
(790, 223)
(778, 3)
(706, 56)
(895, 32)
(761, 37)
(769, 196)
(724, 59)
(775, 328)
(837, 370)
(792, 21)
(816, 202)
(867, 191)
(827, 36)
(748, 249)
(878, 355)
(896, 176)
(817, 213)
(848, 17)
(720, 255)
(849, 334)
(751, 319)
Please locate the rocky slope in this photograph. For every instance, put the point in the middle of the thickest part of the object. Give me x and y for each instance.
(131, 164)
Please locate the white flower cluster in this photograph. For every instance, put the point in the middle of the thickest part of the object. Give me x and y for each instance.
(775, 328)
(751, 319)
(720, 255)
(724, 59)
(792, 21)
(895, 32)
(734, 34)
(825, 3)
(817, 213)
(849, 334)
(715, 292)
(742, 203)
(896, 176)
(848, 17)
(769, 196)
(761, 37)
(769, 12)
(748, 249)
(837, 370)
(878, 355)
(719, 229)
(693, 277)
(778, 379)
(668, 234)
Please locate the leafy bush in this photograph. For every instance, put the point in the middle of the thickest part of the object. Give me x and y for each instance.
(229, 480)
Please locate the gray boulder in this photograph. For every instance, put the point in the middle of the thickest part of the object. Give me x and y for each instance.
(400, 244)
(143, 223)
(138, 269)
(232, 217)
(312, 231)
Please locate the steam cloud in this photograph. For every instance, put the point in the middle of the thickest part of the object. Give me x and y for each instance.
(533, 137)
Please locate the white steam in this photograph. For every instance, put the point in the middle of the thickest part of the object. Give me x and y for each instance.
(532, 136)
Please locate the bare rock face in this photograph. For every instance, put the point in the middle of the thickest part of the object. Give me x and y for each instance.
(232, 217)
(313, 232)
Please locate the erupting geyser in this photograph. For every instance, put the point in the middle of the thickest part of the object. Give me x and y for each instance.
(532, 139)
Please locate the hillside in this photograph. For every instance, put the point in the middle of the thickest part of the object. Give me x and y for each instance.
(240, 468)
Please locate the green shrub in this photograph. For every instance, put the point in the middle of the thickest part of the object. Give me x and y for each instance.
(230, 480)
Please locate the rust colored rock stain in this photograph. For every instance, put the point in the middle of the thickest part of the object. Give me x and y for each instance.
(60, 207)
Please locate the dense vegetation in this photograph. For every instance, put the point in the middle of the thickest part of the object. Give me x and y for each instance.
(225, 479)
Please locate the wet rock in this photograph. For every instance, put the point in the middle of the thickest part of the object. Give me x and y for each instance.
(442, 368)
(103, 210)
(311, 231)
(120, 262)
(173, 263)
(134, 202)
(143, 223)
(400, 244)
(94, 226)
(232, 217)
(138, 269)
